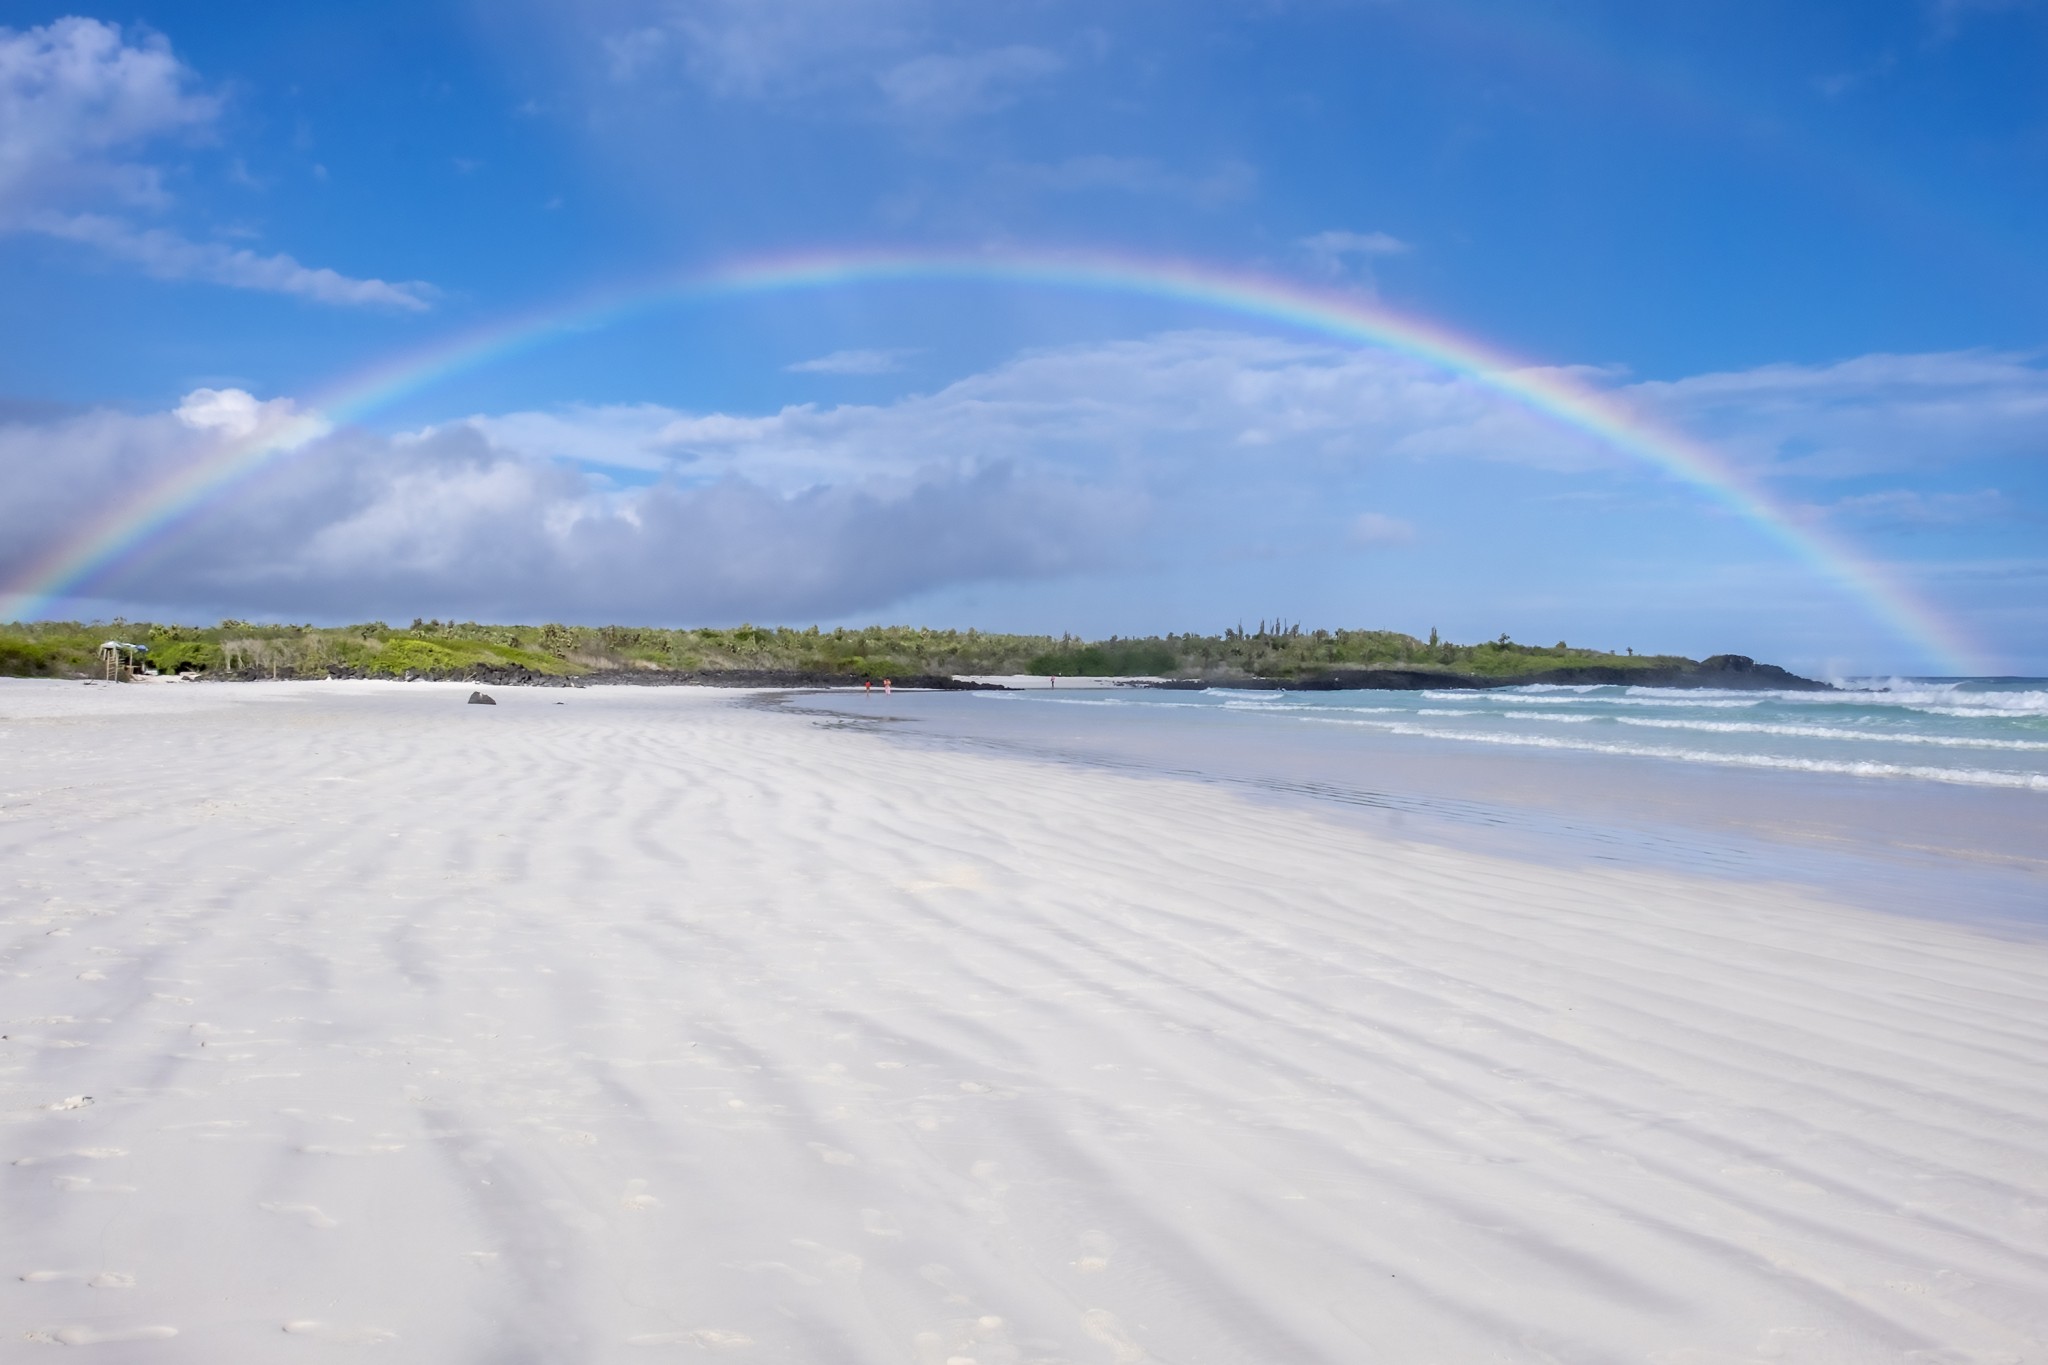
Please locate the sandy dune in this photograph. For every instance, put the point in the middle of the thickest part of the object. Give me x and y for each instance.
(350, 1021)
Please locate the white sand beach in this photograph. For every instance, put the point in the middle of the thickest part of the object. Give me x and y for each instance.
(348, 1021)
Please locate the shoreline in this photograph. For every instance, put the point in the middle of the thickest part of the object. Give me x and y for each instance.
(1902, 845)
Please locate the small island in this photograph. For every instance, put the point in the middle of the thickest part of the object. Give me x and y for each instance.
(1274, 655)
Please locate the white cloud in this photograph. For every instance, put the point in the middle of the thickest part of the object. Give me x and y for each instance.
(1198, 444)
(1865, 415)
(232, 411)
(1914, 508)
(236, 414)
(1374, 530)
(949, 85)
(168, 256)
(853, 362)
(1337, 249)
(79, 104)
(764, 49)
(363, 525)
(1225, 404)
(1342, 255)
(852, 50)
(625, 436)
(76, 100)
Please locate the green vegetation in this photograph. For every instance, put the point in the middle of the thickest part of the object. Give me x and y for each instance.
(26, 659)
(243, 649)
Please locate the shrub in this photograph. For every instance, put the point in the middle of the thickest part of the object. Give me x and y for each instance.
(23, 659)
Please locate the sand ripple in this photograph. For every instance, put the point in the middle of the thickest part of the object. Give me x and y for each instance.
(645, 1023)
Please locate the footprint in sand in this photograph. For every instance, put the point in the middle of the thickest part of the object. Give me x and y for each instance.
(984, 1331)
(311, 1213)
(105, 1279)
(89, 1153)
(1102, 1324)
(1096, 1248)
(963, 878)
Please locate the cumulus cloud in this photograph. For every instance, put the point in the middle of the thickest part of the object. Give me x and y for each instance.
(61, 473)
(237, 415)
(232, 412)
(76, 100)
(79, 105)
(618, 436)
(1095, 457)
(447, 519)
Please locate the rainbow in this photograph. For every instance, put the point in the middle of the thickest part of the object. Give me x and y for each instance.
(128, 528)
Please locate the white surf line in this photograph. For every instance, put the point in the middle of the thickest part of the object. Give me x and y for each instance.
(1975, 777)
(1828, 732)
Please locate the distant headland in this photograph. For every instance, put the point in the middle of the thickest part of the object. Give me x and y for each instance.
(1274, 655)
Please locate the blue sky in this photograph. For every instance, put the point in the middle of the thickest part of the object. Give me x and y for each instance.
(1805, 235)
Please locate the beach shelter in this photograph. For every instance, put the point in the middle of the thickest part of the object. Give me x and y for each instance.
(119, 660)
